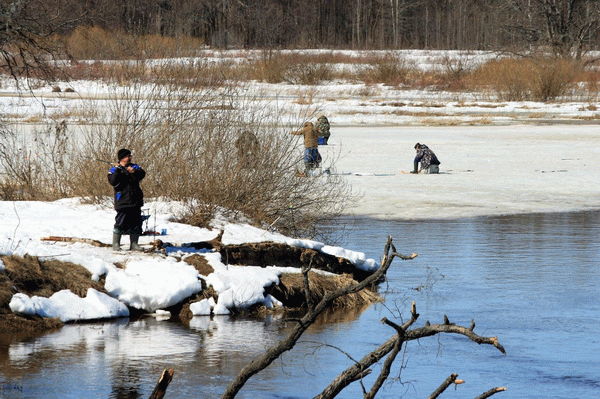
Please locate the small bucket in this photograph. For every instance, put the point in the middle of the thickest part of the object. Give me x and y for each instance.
(163, 232)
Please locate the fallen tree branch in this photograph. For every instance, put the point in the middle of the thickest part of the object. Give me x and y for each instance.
(309, 318)
(491, 392)
(434, 329)
(351, 373)
(387, 365)
(95, 243)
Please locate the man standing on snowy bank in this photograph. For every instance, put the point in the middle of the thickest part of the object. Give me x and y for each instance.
(429, 162)
(312, 158)
(125, 177)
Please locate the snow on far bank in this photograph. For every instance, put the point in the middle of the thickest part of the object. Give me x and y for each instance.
(147, 281)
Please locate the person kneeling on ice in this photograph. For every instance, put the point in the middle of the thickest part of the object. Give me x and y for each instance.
(125, 177)
(429, 162)
(312, 158)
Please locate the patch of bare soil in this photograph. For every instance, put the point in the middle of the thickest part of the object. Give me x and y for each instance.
(275, 254)
(290, 290)
(32, 276)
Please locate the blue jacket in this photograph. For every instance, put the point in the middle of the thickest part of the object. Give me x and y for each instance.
(128, 193)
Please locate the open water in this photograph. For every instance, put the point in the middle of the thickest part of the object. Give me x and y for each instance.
(531, 280)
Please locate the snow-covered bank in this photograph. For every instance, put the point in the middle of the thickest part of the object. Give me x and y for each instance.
(143, 281)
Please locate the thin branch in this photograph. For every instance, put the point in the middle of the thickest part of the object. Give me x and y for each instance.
(434, 329)
(491, 392)
(449, 381)
(387, 365)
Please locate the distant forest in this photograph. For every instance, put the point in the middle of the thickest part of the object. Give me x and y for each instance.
(567, 27)
(360, 24)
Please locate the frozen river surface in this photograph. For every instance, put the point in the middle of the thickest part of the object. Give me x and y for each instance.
(485, 170)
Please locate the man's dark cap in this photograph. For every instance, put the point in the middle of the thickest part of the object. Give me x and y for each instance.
(122, 153)
(417, 145)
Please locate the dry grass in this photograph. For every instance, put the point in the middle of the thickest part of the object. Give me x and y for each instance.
(389, 70)
(527, 79)
(94, 43)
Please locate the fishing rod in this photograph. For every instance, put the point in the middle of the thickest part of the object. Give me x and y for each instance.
(96, 159)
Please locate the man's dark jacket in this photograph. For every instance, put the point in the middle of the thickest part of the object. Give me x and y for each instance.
(128, 193)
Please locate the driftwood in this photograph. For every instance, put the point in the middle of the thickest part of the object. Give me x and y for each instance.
(95, 243)
(163, 382)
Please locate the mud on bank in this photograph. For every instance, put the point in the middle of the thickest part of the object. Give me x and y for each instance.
(35, 276)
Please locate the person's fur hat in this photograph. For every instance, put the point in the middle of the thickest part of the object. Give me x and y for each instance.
(122, 153)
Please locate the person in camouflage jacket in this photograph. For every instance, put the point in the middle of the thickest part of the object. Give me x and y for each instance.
(429, 161)
(323, 127)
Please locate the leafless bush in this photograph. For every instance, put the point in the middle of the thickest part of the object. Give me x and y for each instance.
(95, 43)
(35, 164)
(528, 79)
(185, 138)
(308, 73)
(390, 70)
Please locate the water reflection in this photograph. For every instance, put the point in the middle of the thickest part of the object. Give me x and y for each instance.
(532, 280)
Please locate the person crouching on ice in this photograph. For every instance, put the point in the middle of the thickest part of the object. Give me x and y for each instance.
(429, 162)
(125, 177)
(312, 158)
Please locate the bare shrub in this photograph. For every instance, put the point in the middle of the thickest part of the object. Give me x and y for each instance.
(390, 69)
(554, 77)
(186, 140)
(295, 68)
(270, 68)
(527, 79)
(35, 164)
(95, 43)
(308, 73)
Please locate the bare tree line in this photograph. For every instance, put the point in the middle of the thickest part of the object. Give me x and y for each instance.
(375, 24)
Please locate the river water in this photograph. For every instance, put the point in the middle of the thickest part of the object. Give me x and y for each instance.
(531, 280)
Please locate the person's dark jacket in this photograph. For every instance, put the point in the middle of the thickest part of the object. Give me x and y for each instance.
(426, 157)
(128, 193)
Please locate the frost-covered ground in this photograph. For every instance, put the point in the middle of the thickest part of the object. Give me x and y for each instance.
(497, 158)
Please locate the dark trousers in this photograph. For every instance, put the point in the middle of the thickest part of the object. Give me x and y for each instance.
(128, 221)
